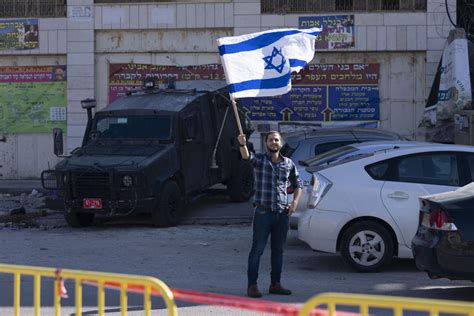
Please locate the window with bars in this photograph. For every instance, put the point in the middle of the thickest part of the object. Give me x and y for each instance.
(153, 1)
(33, 8)
(320, 6)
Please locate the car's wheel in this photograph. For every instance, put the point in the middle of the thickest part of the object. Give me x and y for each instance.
(78, 219)
(240, 186)
(367, 246)
(170, 206)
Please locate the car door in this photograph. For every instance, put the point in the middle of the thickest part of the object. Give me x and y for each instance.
(413, 176)
(192, 151)
(469, 167)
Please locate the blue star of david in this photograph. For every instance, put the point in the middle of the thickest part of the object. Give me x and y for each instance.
(269, 60)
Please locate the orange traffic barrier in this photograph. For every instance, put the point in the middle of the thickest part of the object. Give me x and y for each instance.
(250, 304)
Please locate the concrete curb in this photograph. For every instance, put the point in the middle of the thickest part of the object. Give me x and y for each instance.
(17, 187)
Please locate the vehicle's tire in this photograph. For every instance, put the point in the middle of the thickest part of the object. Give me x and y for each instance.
(78, 219)
(169, 207)
(367, 246)
(240, 186)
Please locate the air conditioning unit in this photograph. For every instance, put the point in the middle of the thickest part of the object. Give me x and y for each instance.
(463, 127)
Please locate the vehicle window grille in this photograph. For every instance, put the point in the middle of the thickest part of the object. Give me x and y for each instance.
(91, 185)
(33, 8)
(324, 6)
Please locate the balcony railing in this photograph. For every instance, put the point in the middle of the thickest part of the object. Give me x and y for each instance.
(325, 6)
(33, 8)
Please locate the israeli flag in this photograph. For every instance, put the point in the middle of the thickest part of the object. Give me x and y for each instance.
(260, 64)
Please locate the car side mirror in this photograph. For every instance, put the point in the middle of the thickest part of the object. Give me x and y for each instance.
(58, 141)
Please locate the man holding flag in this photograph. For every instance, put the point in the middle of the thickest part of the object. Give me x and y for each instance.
(260, 64)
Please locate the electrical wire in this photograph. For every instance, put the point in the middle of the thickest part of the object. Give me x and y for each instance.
(449, 14)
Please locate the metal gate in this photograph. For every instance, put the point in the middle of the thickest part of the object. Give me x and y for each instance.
(124, 282)
(398, 305)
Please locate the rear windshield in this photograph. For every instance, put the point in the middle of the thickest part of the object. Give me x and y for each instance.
(329, 156)
(339, 162)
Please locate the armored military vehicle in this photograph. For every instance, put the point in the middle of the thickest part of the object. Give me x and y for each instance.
(152, 151)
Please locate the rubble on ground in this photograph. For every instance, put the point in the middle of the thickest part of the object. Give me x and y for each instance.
(27, 211)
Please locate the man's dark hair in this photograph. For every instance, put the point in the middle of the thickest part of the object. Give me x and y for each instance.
(273, 132)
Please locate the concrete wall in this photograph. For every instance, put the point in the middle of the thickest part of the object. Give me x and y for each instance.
(407, 46)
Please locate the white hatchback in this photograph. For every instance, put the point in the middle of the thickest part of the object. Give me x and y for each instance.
(337, 155)
(367, 207)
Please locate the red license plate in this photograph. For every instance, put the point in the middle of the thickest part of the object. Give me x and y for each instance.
(92, 203)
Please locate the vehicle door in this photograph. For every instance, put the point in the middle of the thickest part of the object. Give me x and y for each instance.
(413, 176)
(469, 166)
(192, 149)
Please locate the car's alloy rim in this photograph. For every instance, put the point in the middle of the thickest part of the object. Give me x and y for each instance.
(367, 248)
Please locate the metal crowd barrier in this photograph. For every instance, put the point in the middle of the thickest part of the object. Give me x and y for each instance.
(323, 304)
(397, 304)
(122, 281)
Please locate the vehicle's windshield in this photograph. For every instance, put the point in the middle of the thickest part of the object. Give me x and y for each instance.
(329, 156)
(287, 151)
(133, 126)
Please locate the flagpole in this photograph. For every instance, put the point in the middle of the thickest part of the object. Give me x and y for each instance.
(236, 112)
(232, 99)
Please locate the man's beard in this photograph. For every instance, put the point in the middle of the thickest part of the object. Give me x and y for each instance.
(273, 151)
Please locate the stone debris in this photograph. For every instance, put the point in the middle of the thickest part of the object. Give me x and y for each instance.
(28, 211)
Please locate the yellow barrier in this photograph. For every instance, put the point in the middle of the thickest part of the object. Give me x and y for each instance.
(396, 304)
(80, 277)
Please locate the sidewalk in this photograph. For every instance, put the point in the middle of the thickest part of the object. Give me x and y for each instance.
(16, 187)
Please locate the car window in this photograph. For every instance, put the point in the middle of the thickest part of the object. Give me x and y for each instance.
(470, 161)
(440, 169)
(322, 148)
(378, 171)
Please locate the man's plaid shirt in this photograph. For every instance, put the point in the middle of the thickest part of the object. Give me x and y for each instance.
(272, 181)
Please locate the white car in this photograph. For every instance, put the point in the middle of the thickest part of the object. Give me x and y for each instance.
(307, 167)
(367, 208)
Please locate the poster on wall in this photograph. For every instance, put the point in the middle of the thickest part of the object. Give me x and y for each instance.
(80, 12)
(32, 99)
(19, 34)
(324, 93)
(337, 30)
(321, 92)
(123, 77)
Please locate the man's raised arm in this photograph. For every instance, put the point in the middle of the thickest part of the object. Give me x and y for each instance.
(244, 152)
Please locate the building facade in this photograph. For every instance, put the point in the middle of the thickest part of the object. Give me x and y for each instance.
(402, 45)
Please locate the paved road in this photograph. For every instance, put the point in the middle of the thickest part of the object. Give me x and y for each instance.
(209, 258)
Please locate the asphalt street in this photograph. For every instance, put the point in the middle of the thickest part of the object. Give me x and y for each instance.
(207, 253)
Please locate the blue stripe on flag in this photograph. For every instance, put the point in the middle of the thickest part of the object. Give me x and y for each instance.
(272, 83)
(258, 42)
(297, 63)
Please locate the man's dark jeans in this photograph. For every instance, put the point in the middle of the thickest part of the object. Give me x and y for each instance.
(266, 222)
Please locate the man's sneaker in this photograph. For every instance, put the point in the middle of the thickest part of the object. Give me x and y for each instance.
(252, 291)
(276, 288)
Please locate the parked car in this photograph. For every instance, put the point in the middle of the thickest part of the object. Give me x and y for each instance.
(303, 145)
(307, 167)
(367, 207)
(444, 243)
